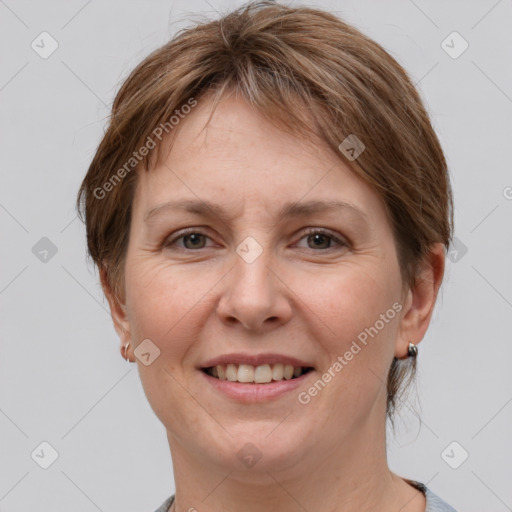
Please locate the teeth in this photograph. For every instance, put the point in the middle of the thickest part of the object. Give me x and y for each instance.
(262, 374)
(247, 373)
(288, 371)
(278, 371)
(231, 372)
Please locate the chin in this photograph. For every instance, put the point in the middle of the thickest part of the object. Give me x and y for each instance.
(260, 447)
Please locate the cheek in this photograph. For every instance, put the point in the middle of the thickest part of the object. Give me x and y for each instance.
(357, 331)
(164, 304)
(349, 299)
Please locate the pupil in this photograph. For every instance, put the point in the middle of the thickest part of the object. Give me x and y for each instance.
(194, 238)
(317, 236)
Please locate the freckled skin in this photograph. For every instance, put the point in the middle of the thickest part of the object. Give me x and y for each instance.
(294, 299)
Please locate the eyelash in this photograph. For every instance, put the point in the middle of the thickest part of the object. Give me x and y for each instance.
(309, 232)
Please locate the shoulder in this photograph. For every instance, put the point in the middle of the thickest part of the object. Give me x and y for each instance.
(434, 502)
(164, 507)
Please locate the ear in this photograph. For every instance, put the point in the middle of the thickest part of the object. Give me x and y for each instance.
(118, 312)
(420, 301)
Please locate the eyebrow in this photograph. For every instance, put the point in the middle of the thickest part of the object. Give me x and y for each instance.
(288, 210)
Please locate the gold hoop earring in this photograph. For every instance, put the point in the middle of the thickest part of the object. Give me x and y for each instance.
(125, 352)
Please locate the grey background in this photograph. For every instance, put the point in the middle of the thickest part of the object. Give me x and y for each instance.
(62, 379)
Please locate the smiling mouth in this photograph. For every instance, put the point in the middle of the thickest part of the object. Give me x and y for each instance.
(262, 374)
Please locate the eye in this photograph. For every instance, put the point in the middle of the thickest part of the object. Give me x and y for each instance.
(322, 239)
(192, 239)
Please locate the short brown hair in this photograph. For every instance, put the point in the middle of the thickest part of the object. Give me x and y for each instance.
(293, 65)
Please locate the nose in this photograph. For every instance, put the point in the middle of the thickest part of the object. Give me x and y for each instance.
(255, 295)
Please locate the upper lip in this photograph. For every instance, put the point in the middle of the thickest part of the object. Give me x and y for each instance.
(255, 360)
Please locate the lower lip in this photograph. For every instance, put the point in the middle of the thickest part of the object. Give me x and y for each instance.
(251, 392)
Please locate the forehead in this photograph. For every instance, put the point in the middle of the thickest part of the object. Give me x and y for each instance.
(238, 156)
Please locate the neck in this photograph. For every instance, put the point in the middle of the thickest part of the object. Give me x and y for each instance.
(350, 477)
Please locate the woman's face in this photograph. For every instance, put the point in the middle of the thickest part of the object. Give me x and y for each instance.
(276, 273)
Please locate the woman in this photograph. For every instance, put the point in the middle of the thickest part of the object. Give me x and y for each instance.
(269, 211)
